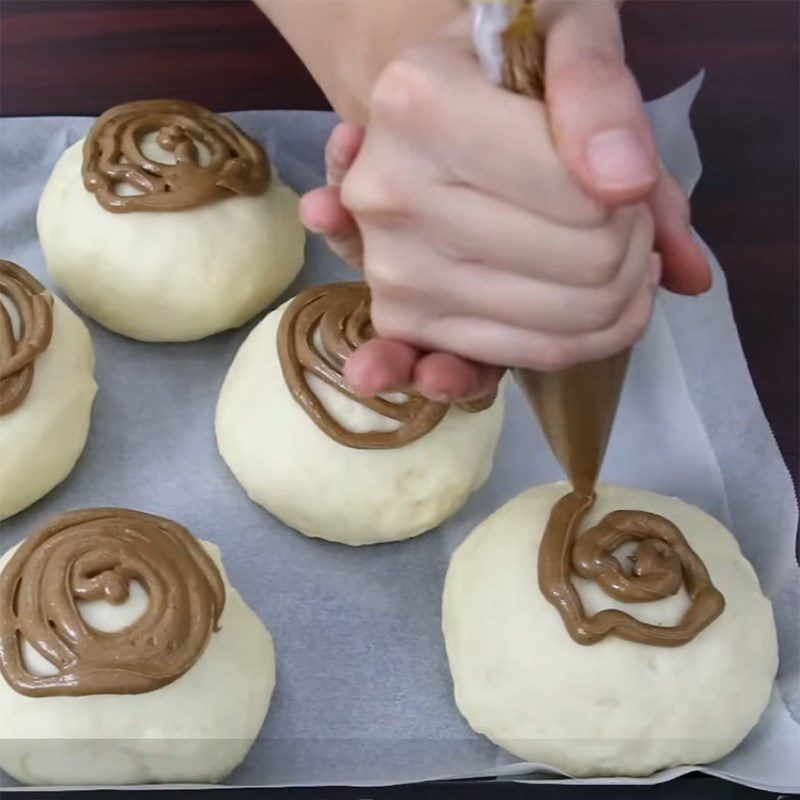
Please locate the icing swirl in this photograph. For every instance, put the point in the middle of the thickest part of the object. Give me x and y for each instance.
(337, 317)
(32, 305)
(214, 159)
(662, 563)
(93, 554)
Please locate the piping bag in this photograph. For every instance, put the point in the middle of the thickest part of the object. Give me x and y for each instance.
(576, 407)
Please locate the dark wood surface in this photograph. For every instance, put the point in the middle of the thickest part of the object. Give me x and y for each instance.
(82, 56)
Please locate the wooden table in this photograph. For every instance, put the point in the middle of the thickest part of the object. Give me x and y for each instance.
(82, 56)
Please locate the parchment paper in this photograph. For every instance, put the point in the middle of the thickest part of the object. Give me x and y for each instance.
(364, 693)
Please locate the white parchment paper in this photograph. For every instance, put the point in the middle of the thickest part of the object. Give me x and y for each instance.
(364, 693)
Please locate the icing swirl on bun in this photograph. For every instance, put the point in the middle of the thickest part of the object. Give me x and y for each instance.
(662, 563)
(32, 306)
(213, 158)
(319, 330)
(94, 554)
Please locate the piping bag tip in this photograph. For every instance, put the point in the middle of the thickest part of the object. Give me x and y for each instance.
(576, 408)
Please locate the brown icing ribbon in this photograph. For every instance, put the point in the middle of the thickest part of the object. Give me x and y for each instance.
(112, 156)
(663, 562)
(32, 305)
(338, 314)
(576, 408)
(93, 554)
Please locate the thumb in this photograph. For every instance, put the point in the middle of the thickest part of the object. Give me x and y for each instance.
(598, 122)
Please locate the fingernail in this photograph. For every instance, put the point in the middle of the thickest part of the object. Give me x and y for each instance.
(439, 397)
(304, 217)
(618, 160)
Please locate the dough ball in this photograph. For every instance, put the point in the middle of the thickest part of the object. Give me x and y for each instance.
(169, 275)
(41, 439)
(615, 707)
(196, 729)
(325, 489)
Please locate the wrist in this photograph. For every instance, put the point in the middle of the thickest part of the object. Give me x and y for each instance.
(345, 44)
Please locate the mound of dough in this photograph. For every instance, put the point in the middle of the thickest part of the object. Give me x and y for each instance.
(43, 437)
(196, 729)
(325, 489)
(168, 275)
(615, 707)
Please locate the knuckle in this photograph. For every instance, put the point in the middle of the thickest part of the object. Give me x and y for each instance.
(374, 192)
(606, 308)
(592, 72)
(608, 249)
(451, 246)
(403, 90)
(388, 279)
(388, 321)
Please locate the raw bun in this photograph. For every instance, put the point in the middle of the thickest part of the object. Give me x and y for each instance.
(325, 489)
(41, 439)
(616, 707)
(194, 730)
(170, 275)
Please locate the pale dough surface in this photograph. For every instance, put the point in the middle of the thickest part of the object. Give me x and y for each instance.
(324, 489)
(41, 439)
(169, 276)
(616, 707)
(194, 730)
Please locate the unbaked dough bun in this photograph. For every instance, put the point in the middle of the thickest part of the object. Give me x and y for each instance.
(168, 275)
(196, 729)
(325, 489)
(615, 707)
(43, 436)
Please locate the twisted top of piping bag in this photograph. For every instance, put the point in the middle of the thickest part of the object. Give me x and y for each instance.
(576, 408)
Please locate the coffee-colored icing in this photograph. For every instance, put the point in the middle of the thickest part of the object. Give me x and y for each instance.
(663, 562)
(32, 305)
(523, 53)
(576, 408)
(338, 314)
(93, 554)
(113, 157)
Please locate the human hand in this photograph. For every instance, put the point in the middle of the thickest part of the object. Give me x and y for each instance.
(494, 230)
